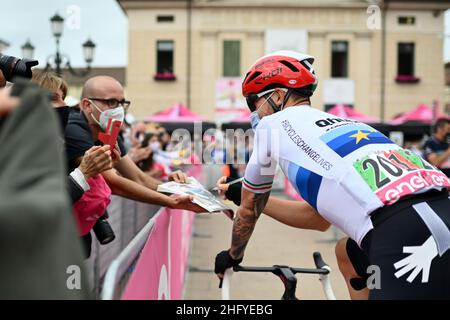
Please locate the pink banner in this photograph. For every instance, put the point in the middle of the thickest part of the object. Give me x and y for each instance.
(161, 267)
(159, 272)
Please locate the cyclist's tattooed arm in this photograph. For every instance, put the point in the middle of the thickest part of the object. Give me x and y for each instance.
(248, 213)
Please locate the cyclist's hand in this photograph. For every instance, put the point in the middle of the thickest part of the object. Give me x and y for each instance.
(222, 186)
(223, 262)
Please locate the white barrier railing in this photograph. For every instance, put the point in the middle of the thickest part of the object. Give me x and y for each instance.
(122, 263)
(127, 218)
(154, 275)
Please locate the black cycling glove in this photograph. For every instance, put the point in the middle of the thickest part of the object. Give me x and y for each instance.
(234, 192)
(225, 261)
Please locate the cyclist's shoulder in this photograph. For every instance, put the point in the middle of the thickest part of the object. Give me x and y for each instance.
(291, 113)
(302, 118)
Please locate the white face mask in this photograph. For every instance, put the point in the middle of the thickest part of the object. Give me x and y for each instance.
(254, 116)
(115, 114)
(155, 146)
(254, 119)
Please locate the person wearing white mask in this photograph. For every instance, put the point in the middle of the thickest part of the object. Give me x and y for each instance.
(102, 99)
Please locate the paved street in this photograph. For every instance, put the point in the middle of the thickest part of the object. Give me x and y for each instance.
(271, 243)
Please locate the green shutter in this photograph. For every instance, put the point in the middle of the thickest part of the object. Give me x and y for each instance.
(231, 58)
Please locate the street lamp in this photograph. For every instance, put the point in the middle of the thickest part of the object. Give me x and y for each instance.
(88, 50)
(57, 26)
(28, 50)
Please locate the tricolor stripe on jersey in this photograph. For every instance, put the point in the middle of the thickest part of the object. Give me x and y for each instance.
(257, 187)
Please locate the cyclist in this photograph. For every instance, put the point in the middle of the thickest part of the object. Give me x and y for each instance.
(394, 204)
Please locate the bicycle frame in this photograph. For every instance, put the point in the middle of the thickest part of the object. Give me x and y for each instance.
(287, 276)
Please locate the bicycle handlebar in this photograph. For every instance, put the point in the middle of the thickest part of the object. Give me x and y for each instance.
(287, 275)
(276, 268)
(322, 267)
(318, 260)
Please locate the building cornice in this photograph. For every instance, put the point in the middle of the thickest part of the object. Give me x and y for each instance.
(214, 4)
(277, 4)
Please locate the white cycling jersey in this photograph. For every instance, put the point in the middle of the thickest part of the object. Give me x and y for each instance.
(343, 168)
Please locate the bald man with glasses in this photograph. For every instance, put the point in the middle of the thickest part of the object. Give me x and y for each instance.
(99, 95)
(103, 99)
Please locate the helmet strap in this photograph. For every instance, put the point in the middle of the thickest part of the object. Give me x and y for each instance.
(286, 98)
(273, 105)
(277, 108)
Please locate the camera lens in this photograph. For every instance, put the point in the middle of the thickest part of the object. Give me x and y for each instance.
(12, 67)
(103, 231)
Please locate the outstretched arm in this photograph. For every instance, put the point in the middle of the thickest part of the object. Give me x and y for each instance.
(130, 170)
(248, 213)
(129, 189)
(295, 214)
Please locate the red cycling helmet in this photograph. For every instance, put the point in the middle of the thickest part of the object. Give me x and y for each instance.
(281, 69)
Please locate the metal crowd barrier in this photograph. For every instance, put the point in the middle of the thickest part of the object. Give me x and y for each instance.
(110, 267)
(127, 219)
(121, 265)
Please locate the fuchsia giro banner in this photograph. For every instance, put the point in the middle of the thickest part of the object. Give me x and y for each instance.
(160, 271)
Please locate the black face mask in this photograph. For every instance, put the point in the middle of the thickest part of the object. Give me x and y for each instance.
(63, 115)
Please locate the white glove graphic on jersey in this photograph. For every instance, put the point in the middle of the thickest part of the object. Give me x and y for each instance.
(419, 260)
